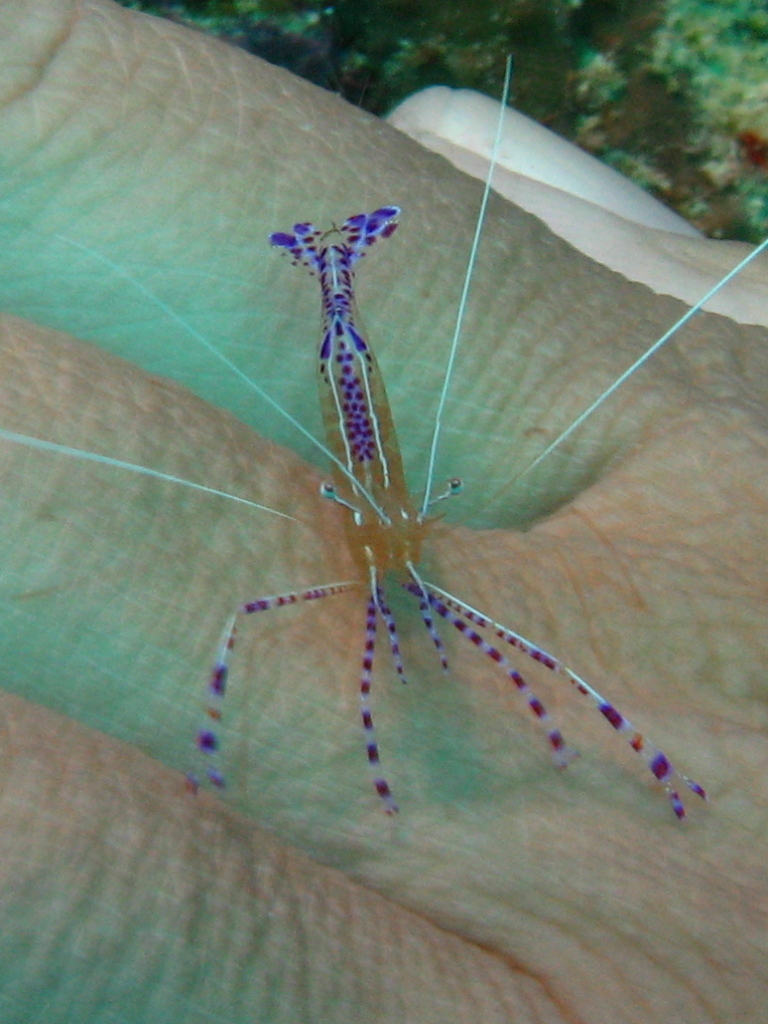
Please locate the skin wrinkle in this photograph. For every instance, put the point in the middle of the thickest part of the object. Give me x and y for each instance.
(133, 595)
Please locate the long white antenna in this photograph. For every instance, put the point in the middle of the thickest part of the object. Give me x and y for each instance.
(464, 295)
(641, 360)
(133, 467)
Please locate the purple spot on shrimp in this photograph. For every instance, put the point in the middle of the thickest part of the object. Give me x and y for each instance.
(613, 716)
(661, 767)
(218, 681)
(281, 238)
(543, 658)
(216, 778)
(537, 707)
(358, 340)
(207, 741)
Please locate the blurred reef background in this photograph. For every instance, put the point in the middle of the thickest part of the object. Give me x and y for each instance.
(672, 93)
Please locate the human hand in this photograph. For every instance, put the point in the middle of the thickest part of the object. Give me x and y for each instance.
(573, 894)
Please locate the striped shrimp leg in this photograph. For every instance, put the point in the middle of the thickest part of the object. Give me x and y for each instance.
(371, 746)
(426, 616)
(655, 759)
(207, 737)
(453, 612)
(391, 626)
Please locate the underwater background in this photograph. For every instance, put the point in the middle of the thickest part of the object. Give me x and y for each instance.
(672, 93)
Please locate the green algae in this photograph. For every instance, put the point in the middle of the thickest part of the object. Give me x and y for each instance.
(716, 53)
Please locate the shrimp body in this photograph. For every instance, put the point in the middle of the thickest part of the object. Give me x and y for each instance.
(385, 531)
